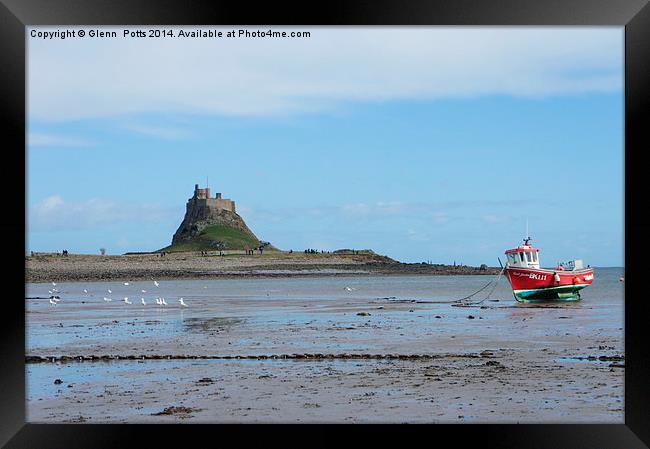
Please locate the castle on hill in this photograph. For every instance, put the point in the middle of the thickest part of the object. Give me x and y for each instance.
(202, 198)
(211, 223)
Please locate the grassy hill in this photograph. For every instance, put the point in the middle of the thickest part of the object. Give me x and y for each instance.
(211, 236)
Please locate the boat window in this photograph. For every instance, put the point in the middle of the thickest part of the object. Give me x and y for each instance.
(535, 257)
(521, 256)
(529, 257)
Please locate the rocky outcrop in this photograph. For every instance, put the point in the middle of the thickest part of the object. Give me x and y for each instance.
(200, 216)
(211, 223)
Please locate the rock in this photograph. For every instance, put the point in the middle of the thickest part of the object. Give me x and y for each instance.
(174, 410)
(204, 213)
(58, 382)
(438, 316)
(363, 314)
(470, 317)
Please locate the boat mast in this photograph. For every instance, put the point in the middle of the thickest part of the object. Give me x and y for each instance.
(526, 226)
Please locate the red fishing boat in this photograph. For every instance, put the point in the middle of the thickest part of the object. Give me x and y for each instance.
(529, 282)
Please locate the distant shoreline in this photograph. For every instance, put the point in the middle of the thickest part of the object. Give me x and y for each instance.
(271, 264)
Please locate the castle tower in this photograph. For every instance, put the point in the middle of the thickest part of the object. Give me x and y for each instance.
(201, 194)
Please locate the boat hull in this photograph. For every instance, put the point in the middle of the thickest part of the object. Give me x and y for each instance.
(529, 284)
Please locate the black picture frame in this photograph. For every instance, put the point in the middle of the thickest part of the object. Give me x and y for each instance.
(15, 15)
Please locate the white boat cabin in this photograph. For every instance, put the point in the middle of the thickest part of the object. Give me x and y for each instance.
(523, 256)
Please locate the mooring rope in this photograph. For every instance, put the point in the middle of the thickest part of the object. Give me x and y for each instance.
(493, 281)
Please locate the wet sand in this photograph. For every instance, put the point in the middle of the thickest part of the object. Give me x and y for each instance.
(271, 351)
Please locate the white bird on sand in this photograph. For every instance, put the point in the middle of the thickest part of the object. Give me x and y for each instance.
(55, 299)
(350, 289)
(155, 283)
(52, 302)
(107, 299)
(85, 291)
(158, 301)
(143, 291)
(163, 302)
(110, 291)
(182, 303)
(126, 300)
(54, 284)
(142, 301)
(126, 283)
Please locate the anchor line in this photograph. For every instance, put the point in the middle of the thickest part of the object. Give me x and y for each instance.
(493, 282)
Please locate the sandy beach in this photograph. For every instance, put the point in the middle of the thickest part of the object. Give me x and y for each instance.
(367, 348)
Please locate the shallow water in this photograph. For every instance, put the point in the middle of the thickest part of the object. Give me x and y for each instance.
(407, 315)
(215, 305)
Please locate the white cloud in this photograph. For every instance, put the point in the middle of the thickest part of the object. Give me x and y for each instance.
(440, 217)
(81, 78)
(55, 140)
(158, 132)
(378, 209)
(55, 213)
(492, 219)
(438, 213)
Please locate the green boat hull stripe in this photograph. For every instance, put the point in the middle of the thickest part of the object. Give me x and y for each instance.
(573, 287)
(561, 292)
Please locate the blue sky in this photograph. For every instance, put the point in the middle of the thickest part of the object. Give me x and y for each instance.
(420, 143)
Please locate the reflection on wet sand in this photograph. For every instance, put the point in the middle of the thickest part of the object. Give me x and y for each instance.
(389, 349)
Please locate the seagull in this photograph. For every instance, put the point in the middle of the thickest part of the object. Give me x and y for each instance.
(52, 302)
(155, 283)
(143, 291)
(350, 288)
(107, 299)
(126, 300)
(126, 283)
(182, 303)
(54, 298)
(163, 302)
(50, 292)
(85, 291)
(142, 301)
(158, 301)
(54, 284)
(110, 291)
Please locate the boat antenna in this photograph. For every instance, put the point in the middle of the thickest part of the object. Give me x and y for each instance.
(527, 235)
